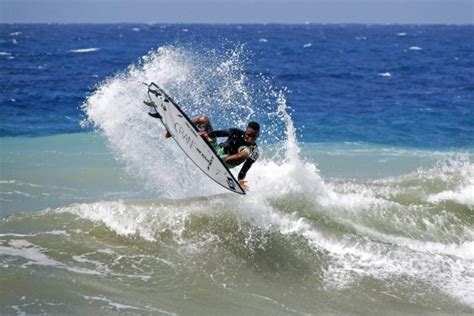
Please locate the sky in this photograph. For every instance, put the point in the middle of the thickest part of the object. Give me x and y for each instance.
(238, 11)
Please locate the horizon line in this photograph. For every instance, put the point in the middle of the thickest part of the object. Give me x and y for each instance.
(247, 23)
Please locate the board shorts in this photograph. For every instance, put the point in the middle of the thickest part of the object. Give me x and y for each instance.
(220, 152)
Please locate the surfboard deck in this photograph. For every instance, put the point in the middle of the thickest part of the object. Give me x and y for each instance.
(185, 133)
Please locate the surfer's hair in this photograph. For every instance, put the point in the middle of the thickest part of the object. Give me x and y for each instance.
(254, 125)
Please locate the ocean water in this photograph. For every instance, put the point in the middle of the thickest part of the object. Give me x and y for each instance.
(362, 202)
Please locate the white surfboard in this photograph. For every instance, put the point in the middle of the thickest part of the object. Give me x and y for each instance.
(186, 135)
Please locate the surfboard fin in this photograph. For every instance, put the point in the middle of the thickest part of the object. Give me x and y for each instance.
(155, 115)
(155, 92)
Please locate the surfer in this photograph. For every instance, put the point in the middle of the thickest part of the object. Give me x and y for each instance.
(240, 146)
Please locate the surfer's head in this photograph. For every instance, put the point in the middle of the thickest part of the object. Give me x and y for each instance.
(252, 132)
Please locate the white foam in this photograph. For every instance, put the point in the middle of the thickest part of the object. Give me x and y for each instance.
(84, 50)
(5, 54)
(401, 34)
(129, 219)
(15, 33)
(119, 306)
(385, 74)
(25, 249)
(463, 195)
(415, 48)
(16, 192)
(352, 259)
(307, 45)
(54, 232)
(136, 29)
(36, 256)
(263, 40)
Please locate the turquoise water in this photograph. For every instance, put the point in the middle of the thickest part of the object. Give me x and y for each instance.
(43, 172)
(52, 171)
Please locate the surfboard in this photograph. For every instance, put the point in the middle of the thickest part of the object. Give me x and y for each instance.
(185, 133)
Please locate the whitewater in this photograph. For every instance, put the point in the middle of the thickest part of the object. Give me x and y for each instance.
(297, 244)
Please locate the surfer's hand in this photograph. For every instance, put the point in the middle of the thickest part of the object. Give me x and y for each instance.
(243, 184)
(205, 136)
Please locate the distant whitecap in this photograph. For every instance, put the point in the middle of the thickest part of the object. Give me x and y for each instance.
(5, 54)
(415, 48)
(84, 50)
(307, 45)
(361, 38)
(14, 41)
(385, 74)
(263, 40)
(185, 30)
(136, 29)
(402, 34)
(15, 33)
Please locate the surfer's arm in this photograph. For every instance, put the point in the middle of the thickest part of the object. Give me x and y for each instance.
(237, 158)
(243, 172)
(221, 133)
(251, 158)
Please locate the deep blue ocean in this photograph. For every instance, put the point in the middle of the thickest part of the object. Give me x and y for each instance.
(362, 201)
(393, 85)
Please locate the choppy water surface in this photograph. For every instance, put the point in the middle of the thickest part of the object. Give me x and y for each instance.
(362, 202)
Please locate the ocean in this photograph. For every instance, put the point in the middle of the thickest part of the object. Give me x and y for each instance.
(362, 201)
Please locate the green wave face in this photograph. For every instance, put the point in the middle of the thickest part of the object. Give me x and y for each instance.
(398, 246)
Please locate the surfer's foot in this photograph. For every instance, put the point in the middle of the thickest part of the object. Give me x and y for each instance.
(167, 134)
(149, 103)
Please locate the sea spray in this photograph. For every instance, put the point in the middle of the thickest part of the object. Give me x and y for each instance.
(207, 84)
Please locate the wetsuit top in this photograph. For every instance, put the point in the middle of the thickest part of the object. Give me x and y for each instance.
(235, 143)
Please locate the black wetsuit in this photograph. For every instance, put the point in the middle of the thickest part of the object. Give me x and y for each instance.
(234, 143)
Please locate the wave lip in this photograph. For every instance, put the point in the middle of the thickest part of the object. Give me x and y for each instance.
(463, 195)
